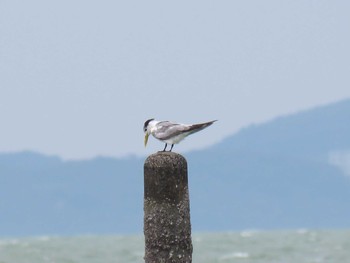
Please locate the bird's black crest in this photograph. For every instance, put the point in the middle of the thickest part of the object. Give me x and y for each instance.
(146, 124)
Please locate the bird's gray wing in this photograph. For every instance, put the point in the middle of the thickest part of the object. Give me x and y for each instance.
(167, 130)
(198, 127)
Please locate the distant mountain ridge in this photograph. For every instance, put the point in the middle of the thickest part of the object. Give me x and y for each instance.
(272, 175)
(325, 127)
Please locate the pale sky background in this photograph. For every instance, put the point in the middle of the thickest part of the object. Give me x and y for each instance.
(79, 78)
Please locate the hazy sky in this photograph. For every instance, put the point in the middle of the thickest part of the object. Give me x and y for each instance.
(79, 78)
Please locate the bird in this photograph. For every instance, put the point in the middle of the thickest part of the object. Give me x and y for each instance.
(171, 132)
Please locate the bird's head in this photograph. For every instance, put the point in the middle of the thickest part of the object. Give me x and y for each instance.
(147, 130)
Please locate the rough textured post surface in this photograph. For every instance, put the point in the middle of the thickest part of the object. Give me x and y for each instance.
(167, 225)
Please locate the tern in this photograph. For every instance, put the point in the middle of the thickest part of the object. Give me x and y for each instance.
(170, 132)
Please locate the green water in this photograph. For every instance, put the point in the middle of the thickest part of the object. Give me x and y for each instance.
(248, 247)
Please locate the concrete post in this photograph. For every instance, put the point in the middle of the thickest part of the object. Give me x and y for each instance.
(167, 225)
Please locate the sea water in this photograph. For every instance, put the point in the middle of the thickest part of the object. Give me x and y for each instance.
(298, 246)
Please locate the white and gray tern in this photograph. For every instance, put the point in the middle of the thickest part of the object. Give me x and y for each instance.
(170, 132)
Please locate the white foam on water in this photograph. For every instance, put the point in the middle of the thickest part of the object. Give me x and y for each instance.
(301, 246)
(234, 255)
(302, 231)
(248, 233)
(44, 238)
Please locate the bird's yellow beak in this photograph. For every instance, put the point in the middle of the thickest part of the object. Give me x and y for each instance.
(146, 138)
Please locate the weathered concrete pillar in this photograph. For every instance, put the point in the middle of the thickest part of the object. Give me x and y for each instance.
(167, 225)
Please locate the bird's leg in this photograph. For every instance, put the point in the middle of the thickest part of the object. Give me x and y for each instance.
(165, 147)
(171, 147)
